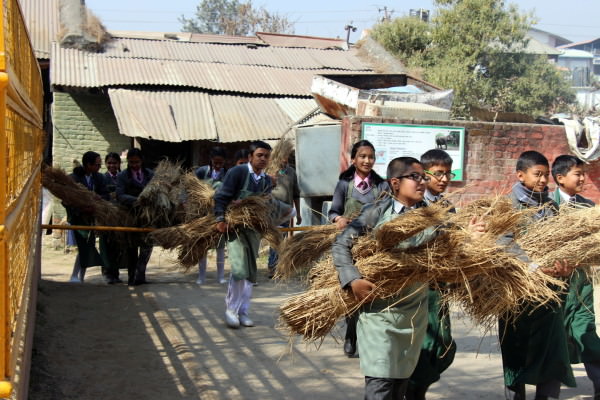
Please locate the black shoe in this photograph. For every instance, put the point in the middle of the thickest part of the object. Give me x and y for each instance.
(415, 392)
(349, 347)
(139, 282)
(516, 392)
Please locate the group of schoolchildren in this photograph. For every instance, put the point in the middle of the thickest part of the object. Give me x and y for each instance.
(122, 187)
(404, 343)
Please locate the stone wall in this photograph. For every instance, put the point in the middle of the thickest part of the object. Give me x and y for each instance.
(491, 152)
(83, 122)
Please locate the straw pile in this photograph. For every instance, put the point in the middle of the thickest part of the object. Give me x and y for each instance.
(489, 281)
(281, 152)
(299, 252)
(571, 235)
(157, 203)
(193, 239)
(78, 196)
(198, 197)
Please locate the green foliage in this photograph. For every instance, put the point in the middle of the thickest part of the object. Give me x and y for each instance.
(403, 36)
(232, 17)
(476, 48)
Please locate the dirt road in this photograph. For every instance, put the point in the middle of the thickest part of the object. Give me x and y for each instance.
(167, 340)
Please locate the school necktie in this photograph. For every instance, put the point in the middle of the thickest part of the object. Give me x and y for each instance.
(138, 176)
(572, 199)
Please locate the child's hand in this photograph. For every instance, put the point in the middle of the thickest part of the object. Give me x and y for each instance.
(362, 289)
(561, 268)
(477, 227)
(221, 227)
(341, 222)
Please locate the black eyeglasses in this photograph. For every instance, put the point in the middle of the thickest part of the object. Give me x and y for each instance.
(439, 174)
(415, 177)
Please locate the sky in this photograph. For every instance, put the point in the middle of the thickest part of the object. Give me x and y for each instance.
(576, 20)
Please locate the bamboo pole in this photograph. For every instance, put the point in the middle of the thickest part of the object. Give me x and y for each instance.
(135, 229)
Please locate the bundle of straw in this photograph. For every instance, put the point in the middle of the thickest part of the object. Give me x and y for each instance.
(281, 152)
(490, 281)
(198, 197)
(193, 239)
(75, 195)
(299, 252)
(572, 235)
(156, 205)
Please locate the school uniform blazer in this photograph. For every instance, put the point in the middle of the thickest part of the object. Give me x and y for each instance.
(579, 200)
(128, 189)
(233, 184)
(338, 202)
(78, 176)
(365, 222)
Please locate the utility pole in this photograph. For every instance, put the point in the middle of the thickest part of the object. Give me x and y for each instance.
(349, 28)
(387, 15)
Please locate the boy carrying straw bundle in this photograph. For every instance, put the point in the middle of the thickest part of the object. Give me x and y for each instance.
(580, 320)
(438, 349)
(240, 182)
(390, 332)
(534, 347)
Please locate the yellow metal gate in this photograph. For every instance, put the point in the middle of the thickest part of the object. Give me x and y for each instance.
(21, 146)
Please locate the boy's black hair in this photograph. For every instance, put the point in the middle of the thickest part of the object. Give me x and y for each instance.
(217, 152)
(348, 174)
(89, 157)
(563, 164)
(399, 165)
(530, 158)
(435, 157)
(241, 155)
(259, 144)
(134, 153)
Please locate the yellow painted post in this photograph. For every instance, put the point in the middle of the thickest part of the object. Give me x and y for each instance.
(5, 385)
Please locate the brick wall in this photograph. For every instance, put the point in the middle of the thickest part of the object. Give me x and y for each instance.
(83, 122)
(491, 152)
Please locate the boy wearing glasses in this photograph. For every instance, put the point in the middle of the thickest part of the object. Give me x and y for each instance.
(580, 320)
(438, 349)
(533, 343)
(389, 331)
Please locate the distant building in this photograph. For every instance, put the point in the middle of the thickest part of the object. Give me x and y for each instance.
(590, 46)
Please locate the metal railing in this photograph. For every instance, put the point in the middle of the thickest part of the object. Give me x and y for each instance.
(21, 142)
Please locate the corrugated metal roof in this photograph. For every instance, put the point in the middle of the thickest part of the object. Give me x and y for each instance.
(82, 69)
(41, 19)
(178, 116)
(297, 58)
(283, 40)
(187, 37)
(168, 116)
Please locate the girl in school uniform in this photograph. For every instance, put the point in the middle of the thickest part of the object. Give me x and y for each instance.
(110, 248)
(130, 183)
(87, 255)
(358, 185)
(213, 174)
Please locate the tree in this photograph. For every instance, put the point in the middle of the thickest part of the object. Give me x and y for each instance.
(232, 17)
(476, 47)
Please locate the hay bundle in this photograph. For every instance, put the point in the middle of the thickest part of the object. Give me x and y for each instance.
(299, 252)
(281, 152)
(412, 223)
(571, 235)
(198, 197)
(489, 281)
(156, 205)
(193, 239)
(75, 195)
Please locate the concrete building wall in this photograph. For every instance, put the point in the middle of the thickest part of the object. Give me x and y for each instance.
(491, 152)
(83, 122)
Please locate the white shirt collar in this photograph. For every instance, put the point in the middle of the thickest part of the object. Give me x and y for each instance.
(430, 197)
(254, 174)
(399, 207)
(564, 196)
